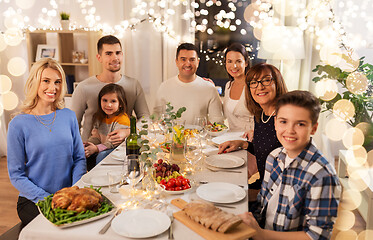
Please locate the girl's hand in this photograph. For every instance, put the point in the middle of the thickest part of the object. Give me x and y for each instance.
(90, 149)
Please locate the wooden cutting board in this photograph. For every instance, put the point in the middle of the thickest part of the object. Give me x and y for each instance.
(243, 231)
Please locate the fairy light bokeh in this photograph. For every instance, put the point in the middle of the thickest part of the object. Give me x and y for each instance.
(326, 89)
(259, 15)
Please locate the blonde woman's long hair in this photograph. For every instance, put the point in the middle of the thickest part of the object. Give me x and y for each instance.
(33, 83)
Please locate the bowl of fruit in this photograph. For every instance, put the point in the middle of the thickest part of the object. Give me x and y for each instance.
(215, 129)
(169, 178)
(166, 146)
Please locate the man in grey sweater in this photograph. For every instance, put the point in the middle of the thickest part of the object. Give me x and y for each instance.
(84, 99)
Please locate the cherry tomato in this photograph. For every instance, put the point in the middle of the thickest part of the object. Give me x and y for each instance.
(178, 188)
(169, 184)
(172, 189)
(185, 182)
(179, 182)
(163, 182)
(180, 177)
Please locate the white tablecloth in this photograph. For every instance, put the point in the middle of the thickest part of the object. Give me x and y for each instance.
(42, 229)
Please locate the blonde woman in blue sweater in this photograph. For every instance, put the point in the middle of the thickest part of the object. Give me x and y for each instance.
(45, 152)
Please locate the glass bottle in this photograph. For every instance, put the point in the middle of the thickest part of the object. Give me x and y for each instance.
(132, 146)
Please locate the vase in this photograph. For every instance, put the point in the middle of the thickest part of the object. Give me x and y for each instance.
(177, 146)
(65, 24)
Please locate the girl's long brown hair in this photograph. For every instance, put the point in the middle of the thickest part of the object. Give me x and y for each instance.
(254, 73)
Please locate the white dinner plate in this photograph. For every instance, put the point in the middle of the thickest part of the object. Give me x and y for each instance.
(224, 161)
(228, 136)
(220, 192)
(97, 178)
(118, 154)
(140, 223)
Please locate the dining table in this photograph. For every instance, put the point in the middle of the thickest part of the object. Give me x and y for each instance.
(41, 229)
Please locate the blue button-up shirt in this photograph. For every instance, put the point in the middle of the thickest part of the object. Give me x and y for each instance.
(309, 192)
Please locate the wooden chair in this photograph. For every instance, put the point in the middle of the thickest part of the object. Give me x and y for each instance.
(13, 233)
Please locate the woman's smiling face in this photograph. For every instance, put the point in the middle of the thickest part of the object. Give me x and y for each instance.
(50, 86)
(235, 64)
(264, 95)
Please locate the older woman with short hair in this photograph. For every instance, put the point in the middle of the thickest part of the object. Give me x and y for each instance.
(266, 85)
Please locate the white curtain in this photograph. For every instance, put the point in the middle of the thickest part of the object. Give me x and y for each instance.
(149, 55)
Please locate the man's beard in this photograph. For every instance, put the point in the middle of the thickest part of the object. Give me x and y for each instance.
(114, 70)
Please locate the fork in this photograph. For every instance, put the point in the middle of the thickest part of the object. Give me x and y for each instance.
(107, 225)
(170, 230)
(223, 170)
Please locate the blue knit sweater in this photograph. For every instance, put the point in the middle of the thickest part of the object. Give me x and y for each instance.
(41, 162)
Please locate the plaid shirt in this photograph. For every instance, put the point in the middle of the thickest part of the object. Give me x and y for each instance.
(309, 192)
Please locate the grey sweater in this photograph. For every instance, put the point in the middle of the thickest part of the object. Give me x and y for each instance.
(84, 101)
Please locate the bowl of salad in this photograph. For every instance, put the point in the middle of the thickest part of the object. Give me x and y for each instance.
(215, 129)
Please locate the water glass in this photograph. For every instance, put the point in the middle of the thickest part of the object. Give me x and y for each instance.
(201, 122)
(135, 169)
(114, 177)
(193, 151)
(163, 123)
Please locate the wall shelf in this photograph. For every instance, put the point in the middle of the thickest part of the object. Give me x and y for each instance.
(67, 41)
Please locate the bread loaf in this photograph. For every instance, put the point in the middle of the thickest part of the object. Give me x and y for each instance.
(211, 217)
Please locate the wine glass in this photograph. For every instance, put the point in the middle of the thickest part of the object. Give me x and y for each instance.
(201, 122)
(163, 123)
(249, 129)
(192, 152)
(152, 134)
(135, 170)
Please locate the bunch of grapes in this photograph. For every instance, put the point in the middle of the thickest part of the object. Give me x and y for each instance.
(164, 169)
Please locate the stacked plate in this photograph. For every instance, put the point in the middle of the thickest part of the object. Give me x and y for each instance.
(119, 153)
(221, 192)
(97, 178)
(224, 161)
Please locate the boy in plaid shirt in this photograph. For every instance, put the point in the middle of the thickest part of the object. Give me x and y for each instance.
(300, 191)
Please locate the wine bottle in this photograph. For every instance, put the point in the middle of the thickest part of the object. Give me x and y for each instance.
(131, 143)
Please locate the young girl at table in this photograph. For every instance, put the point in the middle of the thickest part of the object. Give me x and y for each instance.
(111, 115)
(45, 151)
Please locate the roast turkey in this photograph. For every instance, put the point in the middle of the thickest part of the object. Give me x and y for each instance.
(77, 199)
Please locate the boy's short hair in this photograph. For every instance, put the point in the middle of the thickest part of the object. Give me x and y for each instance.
(108, 39)
(186, 46)
(303, 99)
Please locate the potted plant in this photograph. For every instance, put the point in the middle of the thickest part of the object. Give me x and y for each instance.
(362, 100)
(65, 20)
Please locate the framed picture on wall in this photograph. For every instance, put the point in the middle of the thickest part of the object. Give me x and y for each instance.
(46, 51)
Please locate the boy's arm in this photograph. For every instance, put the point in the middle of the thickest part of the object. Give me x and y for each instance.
(321, 205)
(265, 234)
